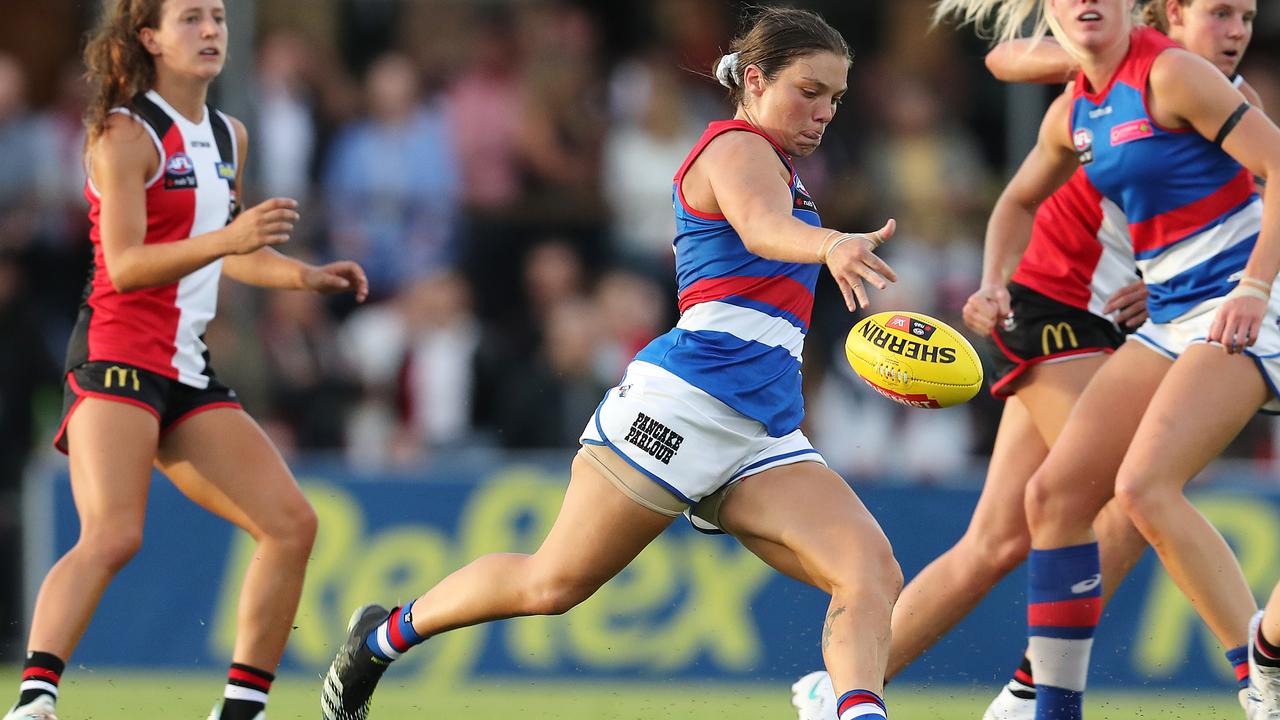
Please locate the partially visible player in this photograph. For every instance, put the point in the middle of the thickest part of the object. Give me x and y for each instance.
(1165, 136)
(1078, 254)
(164, 178)
(706, 419)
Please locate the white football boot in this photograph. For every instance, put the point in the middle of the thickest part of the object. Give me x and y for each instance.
(39, 709)
(1252, 704)
(1010, 706)
(1264, 682)
(813, 696)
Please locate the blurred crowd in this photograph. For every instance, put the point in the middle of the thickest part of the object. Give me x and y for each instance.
(503, 172)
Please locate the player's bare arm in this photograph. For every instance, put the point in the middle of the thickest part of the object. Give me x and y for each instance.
(265, 267)
(1193, 93)
(1030, 61)
(749, 186)
(1044, 170)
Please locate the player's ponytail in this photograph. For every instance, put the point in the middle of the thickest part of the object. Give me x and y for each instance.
(775, 38)
(117, 65)
(996, 20)
(1005, 20)
(1152, 14)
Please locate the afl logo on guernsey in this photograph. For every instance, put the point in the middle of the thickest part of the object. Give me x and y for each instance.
(802, 199)
(1083, 139)
(179, 173)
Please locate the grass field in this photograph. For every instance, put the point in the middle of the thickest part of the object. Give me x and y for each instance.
(94, 696)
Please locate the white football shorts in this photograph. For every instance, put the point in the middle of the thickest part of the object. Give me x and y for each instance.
(684, 439)
(1171, 339)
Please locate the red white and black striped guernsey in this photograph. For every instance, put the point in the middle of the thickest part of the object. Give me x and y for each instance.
(161, 328)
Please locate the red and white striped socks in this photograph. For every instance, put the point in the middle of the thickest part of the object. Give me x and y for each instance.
(246, 692)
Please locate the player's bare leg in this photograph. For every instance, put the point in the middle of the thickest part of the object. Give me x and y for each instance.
(112, 444)
(1171, 447)
(837, 545)
(996, 542)
(1064, 497)
(598, 532)
(223, 461)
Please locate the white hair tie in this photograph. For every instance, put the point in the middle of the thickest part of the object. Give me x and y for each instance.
(727, 70)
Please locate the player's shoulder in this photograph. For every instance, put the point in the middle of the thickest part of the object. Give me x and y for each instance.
(125, 132)
(731, 143)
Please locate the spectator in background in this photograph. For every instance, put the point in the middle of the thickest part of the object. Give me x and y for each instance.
(484, 118)
(19, 145)
(929, 168)
(392, 183)
(647, 141)
(633, 310)
(415, 356)
(286, 116)
(562, 122)
(552, 273)
(308, 382)
(543, 406)
(57, 256)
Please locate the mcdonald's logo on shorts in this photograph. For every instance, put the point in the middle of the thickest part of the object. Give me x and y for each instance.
(122, 376)
(1060, 332)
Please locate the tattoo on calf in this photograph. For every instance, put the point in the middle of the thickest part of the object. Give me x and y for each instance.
(826, 626)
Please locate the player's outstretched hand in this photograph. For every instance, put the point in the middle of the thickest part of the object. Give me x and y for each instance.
(853, 263)
(270, 222)
(1129, 303)
(988, 305)
(337, 277)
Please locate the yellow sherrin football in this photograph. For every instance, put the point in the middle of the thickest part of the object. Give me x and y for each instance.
(914, 359)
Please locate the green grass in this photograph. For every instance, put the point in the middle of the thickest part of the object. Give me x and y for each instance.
(132, 696)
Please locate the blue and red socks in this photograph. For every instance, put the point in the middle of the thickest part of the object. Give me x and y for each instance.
(395, 636)
(1239, 659)
(41, 674)
(1064, 605)
(860, 704)
(246, 693)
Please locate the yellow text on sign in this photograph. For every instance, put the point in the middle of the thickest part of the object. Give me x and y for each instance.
(684, 598)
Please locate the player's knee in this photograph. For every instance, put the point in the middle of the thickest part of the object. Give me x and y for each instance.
(294, 525)
(1140, 498)
(1046, 505)
(872, 570)
(112, 548)
(556, 596)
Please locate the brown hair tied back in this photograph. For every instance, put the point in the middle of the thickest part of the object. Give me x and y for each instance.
(117, 66)
(777, 37)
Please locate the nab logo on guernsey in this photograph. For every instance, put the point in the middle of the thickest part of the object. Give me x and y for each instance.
(905, 346)
(179, 173)
(654, 438)
(803, 201)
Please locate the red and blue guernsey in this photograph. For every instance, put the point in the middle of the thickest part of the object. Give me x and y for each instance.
(743, 318)
(1194, 213)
